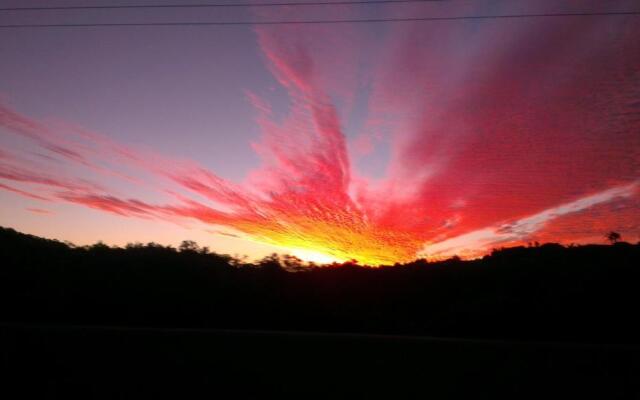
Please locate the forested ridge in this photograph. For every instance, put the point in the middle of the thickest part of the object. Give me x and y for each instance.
(546, 292)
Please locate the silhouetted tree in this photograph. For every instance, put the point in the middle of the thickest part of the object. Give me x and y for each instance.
(293, 264)
(271, 263)
(188, 245)
(613, 237)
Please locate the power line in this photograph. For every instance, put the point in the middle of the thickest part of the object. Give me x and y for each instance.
(325, 21)
(219, 5)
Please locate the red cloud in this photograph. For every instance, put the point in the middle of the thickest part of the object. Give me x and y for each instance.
(492, 143)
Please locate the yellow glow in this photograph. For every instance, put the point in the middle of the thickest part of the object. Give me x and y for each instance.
(314, 256)
(336, 236)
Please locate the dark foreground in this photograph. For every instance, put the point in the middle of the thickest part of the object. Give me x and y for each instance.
(537, 322)
(587, 294)
(113, 363)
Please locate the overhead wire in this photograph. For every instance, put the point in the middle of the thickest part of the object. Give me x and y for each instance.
(320, 21)
(218, 5)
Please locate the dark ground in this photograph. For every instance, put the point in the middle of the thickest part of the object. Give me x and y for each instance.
(150, 321)
(114, 363)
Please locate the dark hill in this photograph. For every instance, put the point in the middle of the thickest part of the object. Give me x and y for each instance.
(546, 293)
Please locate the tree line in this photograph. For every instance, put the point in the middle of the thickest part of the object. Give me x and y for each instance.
(538, 292)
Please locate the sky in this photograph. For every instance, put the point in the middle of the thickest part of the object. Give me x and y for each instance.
(380, 142)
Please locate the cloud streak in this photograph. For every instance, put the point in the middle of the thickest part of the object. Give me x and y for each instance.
(475, 243)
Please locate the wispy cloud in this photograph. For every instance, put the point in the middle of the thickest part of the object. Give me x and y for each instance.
(479, 241)
(490, 142)
(22, 192)
(39, 211)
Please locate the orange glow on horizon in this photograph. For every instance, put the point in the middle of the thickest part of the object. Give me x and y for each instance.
(315, 257)
(349, 238)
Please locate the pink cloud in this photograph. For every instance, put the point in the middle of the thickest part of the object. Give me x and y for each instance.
(22, 192)
(531, 228)
(39, 211)
(521, 120)
(491, 142)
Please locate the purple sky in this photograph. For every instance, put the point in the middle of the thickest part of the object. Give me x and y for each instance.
(429, 116)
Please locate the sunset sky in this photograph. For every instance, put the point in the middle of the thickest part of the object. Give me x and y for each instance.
(380, 142)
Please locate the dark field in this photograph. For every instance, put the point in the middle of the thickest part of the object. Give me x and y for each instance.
(147, 321)
(108, 363)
